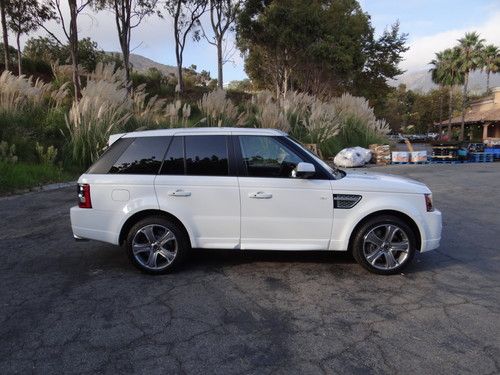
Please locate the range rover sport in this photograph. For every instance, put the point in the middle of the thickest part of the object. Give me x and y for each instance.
(160, 193)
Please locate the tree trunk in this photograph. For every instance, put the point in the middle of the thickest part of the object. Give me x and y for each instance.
(464, 102)
(125, 46)
(178, 52)
(441, 106)
(5, 35)
(180, 80)
(487, 81)
(220, 62)
(73, 42)
(122, 19)
(450, 109)
(285, 81)
(19, 67)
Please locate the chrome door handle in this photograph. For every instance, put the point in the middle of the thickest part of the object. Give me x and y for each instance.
(179, 193)
(260, 195)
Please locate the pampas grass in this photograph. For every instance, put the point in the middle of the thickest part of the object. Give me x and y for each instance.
(18, 92)
(219, 110)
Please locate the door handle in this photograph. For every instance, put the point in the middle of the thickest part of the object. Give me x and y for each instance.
(179, 193)
(260, 195)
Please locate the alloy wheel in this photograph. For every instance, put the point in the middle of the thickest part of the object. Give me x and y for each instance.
(386, 246)
(154, 246)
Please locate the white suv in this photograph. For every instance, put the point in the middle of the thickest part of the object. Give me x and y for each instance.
(162, 192)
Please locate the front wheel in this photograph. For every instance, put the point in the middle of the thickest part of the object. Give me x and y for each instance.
(384, 245)
(156, 245)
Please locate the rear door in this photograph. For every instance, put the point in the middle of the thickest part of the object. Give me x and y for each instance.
(279, 212)
(197, 184)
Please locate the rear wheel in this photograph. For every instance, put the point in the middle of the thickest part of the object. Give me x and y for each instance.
(384, 245)
(156, 245)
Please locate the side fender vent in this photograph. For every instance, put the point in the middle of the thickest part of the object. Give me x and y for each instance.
(345, 201)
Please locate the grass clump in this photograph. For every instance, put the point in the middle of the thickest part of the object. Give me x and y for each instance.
(16, 176)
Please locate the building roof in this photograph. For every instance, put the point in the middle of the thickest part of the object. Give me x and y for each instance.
(481, 111)
(473, 115)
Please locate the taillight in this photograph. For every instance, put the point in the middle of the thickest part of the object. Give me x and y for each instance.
(84, 196)
(428, 202)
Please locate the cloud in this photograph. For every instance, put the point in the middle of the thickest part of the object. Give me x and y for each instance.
(422, 49)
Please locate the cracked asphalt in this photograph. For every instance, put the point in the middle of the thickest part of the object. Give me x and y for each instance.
(68, 307)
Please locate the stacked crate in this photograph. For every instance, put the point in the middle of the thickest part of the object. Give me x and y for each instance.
(381, 154)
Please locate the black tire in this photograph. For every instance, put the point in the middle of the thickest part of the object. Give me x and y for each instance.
(139, 259)
(360, 247)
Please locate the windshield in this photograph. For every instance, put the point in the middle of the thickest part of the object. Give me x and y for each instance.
(335, 172)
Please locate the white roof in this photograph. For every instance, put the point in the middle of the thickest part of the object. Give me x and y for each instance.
(198, 131)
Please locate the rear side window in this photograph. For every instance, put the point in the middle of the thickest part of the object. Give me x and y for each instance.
(206, 155)
(106, 161)
(143, 156)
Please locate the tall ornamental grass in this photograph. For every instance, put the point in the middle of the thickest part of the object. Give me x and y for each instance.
(19, 92)
(109, 105)
(218, 110)
(104, 108)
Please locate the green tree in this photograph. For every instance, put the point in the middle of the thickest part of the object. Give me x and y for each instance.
(69, 25)
(321, 47)
(491, 62)
(223, 14)
(26, 16)
(45, 49)
(470, 47)
(186, 16)
(447, 72)
(49, 50)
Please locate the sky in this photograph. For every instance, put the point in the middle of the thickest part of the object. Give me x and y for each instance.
(432, 25)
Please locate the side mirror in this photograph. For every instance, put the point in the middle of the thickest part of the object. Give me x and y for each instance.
(304, 170)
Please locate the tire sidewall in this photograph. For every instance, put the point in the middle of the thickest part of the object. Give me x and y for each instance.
(358, 242)
(182, 244)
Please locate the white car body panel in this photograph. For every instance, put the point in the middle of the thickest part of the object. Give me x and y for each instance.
(219, 212)
(104, 221)
(281, 222)
(211, 213)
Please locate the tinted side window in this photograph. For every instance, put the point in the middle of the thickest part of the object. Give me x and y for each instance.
(106, 161)
(206, 155)
(266, 157)
(174, 160)
(143, 156)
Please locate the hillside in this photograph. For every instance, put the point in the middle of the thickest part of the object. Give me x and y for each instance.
(421, 81)
(142, 64)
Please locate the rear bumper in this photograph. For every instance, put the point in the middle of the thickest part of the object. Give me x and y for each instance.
(432, 231)
(92, 224)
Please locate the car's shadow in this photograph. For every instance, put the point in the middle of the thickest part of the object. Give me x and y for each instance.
(235, 257)
(107, 257)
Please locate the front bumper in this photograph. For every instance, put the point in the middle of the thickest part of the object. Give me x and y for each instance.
(433, 226)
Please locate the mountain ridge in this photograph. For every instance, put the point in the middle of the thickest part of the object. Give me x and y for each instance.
(421, 80)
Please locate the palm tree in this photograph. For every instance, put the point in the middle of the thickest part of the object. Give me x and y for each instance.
(491, 62)
(446, 72)
(470, 46)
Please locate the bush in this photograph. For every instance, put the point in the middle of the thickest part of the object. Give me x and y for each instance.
(352, 132)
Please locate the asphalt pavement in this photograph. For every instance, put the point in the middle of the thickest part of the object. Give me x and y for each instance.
(68, 307)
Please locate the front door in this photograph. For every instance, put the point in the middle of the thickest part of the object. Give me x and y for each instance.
(279, 212)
